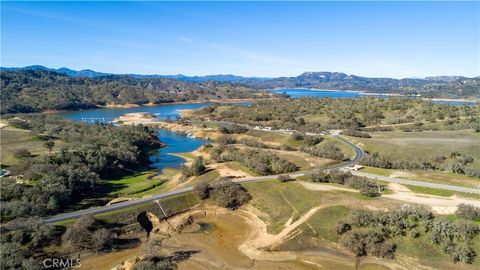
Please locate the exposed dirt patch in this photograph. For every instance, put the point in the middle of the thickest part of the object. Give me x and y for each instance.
(440, 205)
(110, 260)
(136, 119)
(226, 171)
(325, 187)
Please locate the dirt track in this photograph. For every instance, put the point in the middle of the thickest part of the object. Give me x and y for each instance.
(439, 204)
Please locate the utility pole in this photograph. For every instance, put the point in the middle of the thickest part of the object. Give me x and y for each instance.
(165, 215)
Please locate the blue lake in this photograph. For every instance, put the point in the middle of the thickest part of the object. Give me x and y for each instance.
(175, 142)
(297, 93)
(108, 114)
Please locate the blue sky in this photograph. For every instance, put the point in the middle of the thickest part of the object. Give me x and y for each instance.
(378, 39)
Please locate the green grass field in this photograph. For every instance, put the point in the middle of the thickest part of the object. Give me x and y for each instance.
(12, 139)
(431, 191)
(301, 162)
(281, 201)
(205, 178)
(324, 222)
(439, 192)
(132, 184)
(423, 145)
(167, 174)
(428, 176)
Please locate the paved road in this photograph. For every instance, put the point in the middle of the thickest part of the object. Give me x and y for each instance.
(108, 208)
(358, 155)
(417, 183)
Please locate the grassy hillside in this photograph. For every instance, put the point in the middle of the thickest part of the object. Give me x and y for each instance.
(14, 139)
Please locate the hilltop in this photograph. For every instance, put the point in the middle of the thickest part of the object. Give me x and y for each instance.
(39, 90)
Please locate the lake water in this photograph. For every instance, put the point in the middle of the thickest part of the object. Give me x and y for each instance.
(175, 142)
(108, 114)
(297, 93)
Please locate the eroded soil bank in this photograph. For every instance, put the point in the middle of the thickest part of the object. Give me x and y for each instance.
(223, 239)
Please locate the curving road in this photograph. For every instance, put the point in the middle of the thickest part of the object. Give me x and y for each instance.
(358, 156)
(112, 207)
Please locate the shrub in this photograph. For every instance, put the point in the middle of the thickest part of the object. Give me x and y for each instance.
(101, 239)
(355, 133)
(229, 194)
(372, 242)
(86, 234)
(155, 263)
(312, 140)
(202, 191)
(285, 178)
(343, 228)
(468, 211)
(198, 167)
(326, 150)
(19, 123)
(22, 153)
(232, 129)
(463, 253)
(297, 136)
(225, 139)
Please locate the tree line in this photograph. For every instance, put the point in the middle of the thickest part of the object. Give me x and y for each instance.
(364, 185)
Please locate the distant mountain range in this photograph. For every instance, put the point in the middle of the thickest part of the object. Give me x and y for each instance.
(93, 74)
(319, 76)
(438, 86)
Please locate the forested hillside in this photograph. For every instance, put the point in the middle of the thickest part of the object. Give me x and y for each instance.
(316, 115)
(431, 87)
(51, 182)
(446, 87)
(39, 90)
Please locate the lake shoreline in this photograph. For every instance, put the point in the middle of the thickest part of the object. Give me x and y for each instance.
(146, 105)
(231, 100)
(366, 93)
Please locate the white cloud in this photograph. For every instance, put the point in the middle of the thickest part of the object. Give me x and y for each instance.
(185, 39)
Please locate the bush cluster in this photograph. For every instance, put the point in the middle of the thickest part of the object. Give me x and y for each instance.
(355, 133)
(260, 162)
(374, 228)
(366, 187)
(325, 150)
(225, 192)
